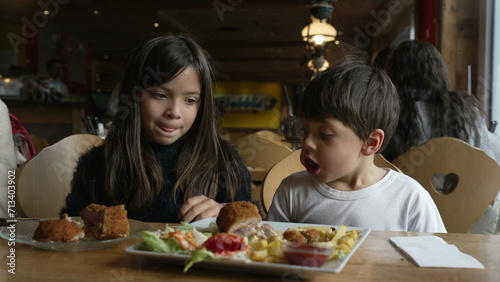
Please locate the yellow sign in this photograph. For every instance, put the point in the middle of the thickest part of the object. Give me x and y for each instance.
(268, 118)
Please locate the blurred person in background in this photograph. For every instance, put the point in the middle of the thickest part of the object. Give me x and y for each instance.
(430, 109)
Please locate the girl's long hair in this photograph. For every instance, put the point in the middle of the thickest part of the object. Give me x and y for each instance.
(133, 176)
(419, 74)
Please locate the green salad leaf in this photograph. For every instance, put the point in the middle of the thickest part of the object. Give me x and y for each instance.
(153, 243)
(197, 256)
(184, 226)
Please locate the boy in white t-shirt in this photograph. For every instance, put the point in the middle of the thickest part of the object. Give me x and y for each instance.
(348, 113)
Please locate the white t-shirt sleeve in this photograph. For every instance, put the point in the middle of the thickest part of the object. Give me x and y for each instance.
(280, 207)
(424, 215)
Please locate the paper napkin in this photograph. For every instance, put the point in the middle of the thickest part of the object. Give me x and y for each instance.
(433, 251)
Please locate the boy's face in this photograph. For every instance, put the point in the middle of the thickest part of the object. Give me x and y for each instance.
(331, 152)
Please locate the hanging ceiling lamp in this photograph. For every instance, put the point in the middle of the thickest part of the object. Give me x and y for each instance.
(319, 31)
(318, 62)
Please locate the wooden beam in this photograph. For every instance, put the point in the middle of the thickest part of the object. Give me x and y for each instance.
(447, 36)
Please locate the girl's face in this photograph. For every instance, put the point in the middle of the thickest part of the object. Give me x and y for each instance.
(331, 152)
(168, 111)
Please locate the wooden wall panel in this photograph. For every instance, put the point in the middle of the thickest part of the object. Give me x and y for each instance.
(447, 35)
(467, 44)
(458, 40)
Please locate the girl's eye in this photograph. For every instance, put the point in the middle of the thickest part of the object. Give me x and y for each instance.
(159, 95)
(191, 101)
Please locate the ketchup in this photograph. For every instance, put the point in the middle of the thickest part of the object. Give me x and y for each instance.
(306, 255)
(223, 243)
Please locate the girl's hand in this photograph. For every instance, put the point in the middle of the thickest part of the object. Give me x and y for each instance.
(199, 207)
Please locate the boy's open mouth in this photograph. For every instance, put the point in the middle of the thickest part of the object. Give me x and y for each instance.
(311, 166)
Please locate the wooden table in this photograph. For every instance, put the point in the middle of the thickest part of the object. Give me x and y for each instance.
(375, 260)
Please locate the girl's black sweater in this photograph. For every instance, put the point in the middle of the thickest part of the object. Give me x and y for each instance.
(164, 208)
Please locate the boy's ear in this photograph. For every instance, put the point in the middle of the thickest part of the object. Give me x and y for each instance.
(373, 143)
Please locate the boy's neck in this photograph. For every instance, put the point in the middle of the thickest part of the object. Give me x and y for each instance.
(363, 177)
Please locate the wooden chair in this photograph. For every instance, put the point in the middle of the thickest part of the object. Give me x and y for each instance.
(462, 180)
(260, 154)
(273, 136)
(39, 142)
(292, 164)
(43, 182)
(380, 161)
(276, 174)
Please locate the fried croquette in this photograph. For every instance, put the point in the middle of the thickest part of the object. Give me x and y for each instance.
(104, 223)
(311, 235)
(301, 236)
(236, 215)
(294, 235)
(58, 230)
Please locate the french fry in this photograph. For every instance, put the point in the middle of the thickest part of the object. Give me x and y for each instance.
(259, 255)
(341, 240)
(260, 245)
(339, 234)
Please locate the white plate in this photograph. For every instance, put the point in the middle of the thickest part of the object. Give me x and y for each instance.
(24, 233)
(276, 269)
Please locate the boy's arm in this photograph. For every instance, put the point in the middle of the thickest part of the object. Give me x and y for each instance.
(426, 217)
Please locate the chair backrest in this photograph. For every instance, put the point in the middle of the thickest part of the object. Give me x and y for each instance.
(260, 154)
(39, 142)
(462, 180)
(273, 136)
(43, 182)
(292, 164)
(276, 174)
(380, 161)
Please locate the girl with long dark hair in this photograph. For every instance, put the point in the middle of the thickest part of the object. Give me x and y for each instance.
(163, 157)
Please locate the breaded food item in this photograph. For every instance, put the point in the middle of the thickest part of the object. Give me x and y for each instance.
(311, 235)
(104, 223)
(237, 215)
(58, 230)
(293, 235)
(301, 236)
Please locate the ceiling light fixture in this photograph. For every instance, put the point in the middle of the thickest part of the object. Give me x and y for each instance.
(319, 31)
(318, 62)
(321, 9)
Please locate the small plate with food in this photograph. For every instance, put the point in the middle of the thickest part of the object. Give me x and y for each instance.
(98, 227)
(238, 240)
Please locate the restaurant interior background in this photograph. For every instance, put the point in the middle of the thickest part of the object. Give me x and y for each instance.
(257, 46)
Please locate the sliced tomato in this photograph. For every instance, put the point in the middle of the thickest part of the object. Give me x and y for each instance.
(223, 243)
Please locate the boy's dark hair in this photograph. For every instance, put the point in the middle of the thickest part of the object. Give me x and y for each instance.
(382, 58)
(360, 96)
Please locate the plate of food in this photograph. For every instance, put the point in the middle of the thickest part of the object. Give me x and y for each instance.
(240, 241)
(99, 227)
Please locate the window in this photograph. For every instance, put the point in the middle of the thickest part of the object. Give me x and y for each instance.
(489, 61)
